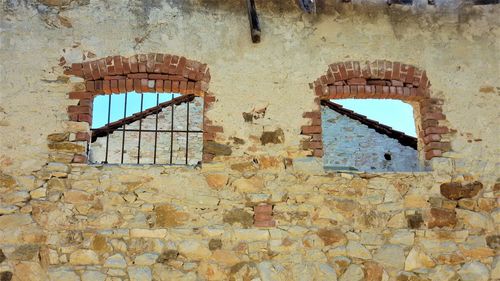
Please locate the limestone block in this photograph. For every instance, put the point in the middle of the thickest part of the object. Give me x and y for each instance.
(495, 268)
(211, 271)
(417, 259)
(32, 271)
(84, 257)
(62, 274)
(217, 181)
(146, 259)
(268, 271)
(251, 185)
(225, 257)
(77, 197)
(373, 271)
(474, 271)
(444, 273)
(7, 209)
(356, 250)
(38, 193)
(403, 237)
(15, 197)
(475, 220)
(332, 236)
(308, 165)
(340, 263)
(115, 261)
(93, 276)
(391, 257)
(139, 273)
(251, 234)
(148, 233)
(353, 273)
(168, 216)
(194, 250)
(325, 272)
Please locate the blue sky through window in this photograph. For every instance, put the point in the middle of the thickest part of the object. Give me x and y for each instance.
(101, 106)
(394, 113)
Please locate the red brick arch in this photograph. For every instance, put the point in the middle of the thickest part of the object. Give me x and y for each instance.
(141, 73)
(380, 79)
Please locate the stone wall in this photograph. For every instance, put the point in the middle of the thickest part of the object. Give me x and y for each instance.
(264, 210)
(349, 144)
(163, 139)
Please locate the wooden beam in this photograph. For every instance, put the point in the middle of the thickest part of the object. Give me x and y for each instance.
(254, 21)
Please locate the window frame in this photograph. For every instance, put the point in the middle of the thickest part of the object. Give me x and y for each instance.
(380, 79)
(142, 73)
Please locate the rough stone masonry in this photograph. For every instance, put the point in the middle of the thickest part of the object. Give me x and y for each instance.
(261, 206)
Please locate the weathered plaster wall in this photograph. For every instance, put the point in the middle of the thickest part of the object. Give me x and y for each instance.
(74, 222)
(349, 144)
(163, 139)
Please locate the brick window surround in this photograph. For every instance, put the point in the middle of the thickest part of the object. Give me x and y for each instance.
(157, 73)
(380, 79)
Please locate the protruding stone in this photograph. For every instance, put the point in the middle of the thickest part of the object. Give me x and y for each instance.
(442, 218)
(455, 191)
(474, 271)
(417, 259)
(83, 257)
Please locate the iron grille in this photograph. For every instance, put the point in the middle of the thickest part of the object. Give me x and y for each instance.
(146, 122)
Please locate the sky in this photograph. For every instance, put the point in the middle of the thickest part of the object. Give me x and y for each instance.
(101, 106)
(393, 113)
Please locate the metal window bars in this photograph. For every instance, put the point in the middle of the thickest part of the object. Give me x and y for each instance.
(127, 130)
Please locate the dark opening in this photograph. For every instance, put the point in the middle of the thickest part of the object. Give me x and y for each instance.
(387, 156)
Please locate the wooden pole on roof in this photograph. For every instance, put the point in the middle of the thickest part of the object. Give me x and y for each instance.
(254, 21)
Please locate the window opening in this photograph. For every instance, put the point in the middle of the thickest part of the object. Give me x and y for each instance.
(147, 128)
(369, 135)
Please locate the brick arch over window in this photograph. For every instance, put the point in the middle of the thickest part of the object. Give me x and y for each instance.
(380, 79)
(140, 73)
